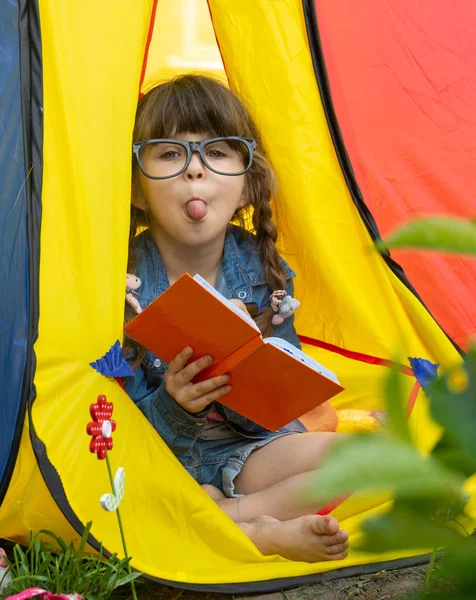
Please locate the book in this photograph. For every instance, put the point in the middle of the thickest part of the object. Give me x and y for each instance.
(272, 381)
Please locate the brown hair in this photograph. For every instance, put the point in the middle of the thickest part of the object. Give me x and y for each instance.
(197, 104)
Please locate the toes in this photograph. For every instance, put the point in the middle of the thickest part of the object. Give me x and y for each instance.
(326, 525)
(337, 538)
(339, 556)
(337, 548)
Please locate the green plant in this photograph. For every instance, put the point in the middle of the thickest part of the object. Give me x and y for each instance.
(50, 563)
(429, 500)
(435, 233)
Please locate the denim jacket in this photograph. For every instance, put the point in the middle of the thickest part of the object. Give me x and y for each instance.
(244, 275)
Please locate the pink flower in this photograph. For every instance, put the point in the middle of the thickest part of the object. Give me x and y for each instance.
(102, 427)
(43, 595)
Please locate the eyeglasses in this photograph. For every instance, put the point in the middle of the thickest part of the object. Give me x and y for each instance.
(163, 158)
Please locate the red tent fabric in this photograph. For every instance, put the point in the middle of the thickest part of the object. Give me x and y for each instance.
(403, 82)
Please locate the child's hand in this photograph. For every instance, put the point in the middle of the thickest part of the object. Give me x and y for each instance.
(193, 397)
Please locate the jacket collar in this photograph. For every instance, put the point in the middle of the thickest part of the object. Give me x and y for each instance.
(241, 264)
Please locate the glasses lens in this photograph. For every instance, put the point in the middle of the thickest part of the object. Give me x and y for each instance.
(163, 159)
(229, 157)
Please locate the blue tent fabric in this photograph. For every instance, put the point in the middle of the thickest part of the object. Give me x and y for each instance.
(14, 289)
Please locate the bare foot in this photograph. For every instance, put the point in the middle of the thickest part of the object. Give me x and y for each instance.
(312, 538)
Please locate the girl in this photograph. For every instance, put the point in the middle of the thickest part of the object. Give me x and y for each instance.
(198, 167)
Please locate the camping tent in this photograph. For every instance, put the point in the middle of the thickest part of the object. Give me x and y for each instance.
(368, 117)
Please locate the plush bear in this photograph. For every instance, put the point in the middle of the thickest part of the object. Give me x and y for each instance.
(132, 285)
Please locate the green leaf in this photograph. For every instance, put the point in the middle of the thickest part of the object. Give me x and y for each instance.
(31, 579)
(397, 420)
(434, 233)
(84, 540)
(460, 564)
(21, 561)
(449, 454)
(441, 509)
(455, 408)
(127, 579)
(56, 538)
(405, 530)
(381, 462)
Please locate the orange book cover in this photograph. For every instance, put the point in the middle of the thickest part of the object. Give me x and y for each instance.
(272, 382)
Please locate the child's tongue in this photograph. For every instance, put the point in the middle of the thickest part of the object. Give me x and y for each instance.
(196, 209)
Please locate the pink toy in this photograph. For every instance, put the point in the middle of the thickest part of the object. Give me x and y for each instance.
(283, 305)
(43, 595)
(132, 285)
(5, 576)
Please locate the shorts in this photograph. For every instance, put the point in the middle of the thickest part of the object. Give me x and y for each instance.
(218, 462)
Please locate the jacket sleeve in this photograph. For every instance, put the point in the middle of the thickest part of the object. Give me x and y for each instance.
(286, 330)
(178, 428)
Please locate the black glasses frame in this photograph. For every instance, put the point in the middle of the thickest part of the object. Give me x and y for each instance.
(192, 147)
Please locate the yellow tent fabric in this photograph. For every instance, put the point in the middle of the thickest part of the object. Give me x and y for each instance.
(92, 61)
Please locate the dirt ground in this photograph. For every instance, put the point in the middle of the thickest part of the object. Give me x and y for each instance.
(386, 585)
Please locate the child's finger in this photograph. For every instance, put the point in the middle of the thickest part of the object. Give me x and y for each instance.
(202, 402)
(178, 362)
(202, 388)
(190, 371)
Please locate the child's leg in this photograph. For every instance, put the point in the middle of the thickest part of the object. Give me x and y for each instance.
(281, 501)
(272, 513)
(282, 458)
(309, 538)
(274, 477)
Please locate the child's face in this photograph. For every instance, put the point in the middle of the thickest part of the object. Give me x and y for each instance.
(195, 207)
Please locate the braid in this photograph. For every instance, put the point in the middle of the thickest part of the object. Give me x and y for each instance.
(266, 234)
(259, 189)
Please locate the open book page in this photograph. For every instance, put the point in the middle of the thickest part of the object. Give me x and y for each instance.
(272, 386)
(299, 355)
(242, 314)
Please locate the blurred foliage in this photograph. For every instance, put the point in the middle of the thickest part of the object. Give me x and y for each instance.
(428, 511)
(434, 233)
(429, 505)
